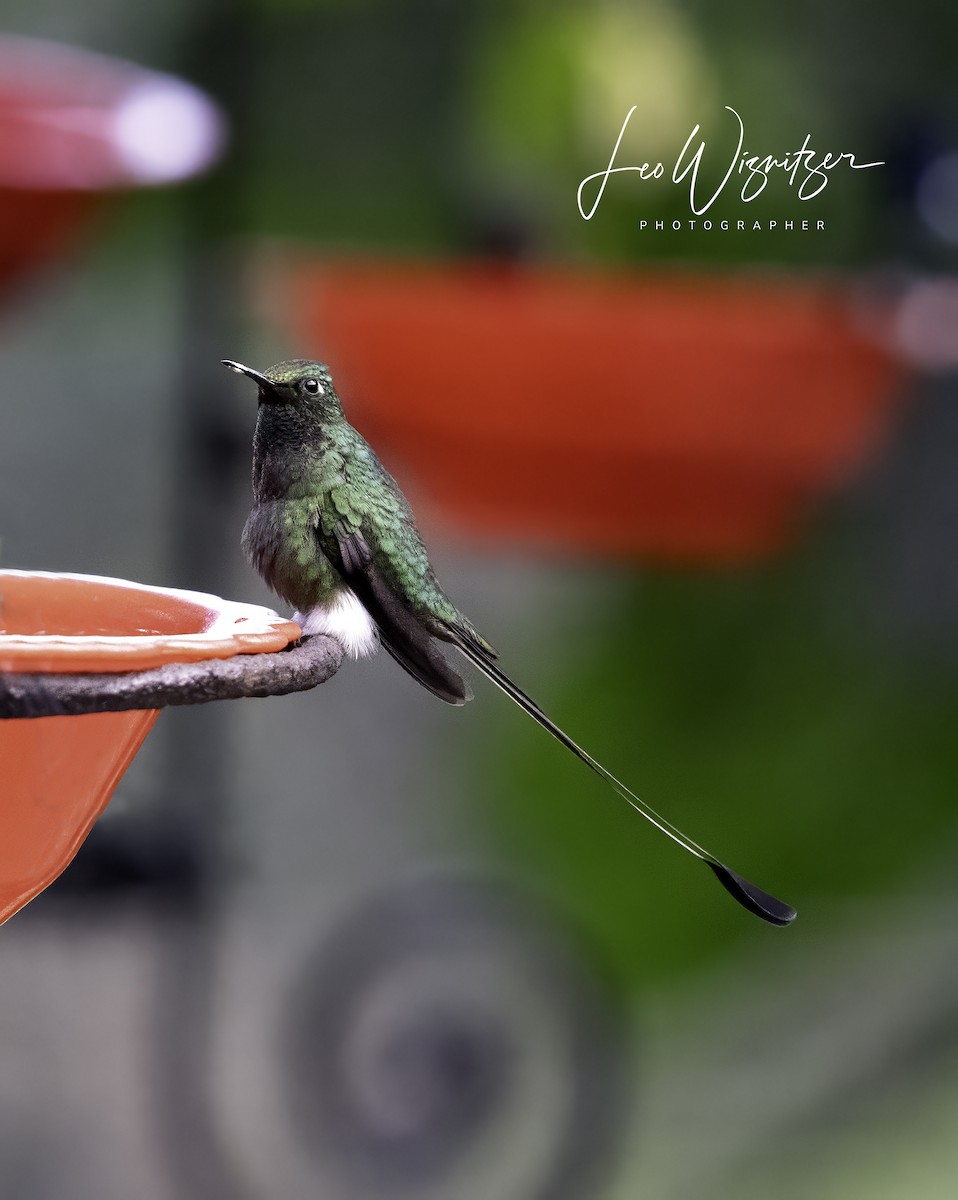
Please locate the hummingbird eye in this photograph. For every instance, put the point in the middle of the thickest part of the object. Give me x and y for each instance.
(312, 386)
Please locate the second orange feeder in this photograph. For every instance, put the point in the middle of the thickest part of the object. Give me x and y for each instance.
(672, 417)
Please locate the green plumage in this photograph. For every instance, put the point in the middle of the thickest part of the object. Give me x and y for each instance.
(327, 516)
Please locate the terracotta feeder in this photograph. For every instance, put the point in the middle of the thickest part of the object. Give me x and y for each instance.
(673, 417)
(85, 665)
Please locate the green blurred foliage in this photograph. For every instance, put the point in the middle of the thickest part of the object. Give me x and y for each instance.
(549, 95)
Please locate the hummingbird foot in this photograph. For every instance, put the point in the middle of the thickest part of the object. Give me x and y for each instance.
(344, 619)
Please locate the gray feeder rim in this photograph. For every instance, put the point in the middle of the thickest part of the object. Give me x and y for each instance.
(298, 668)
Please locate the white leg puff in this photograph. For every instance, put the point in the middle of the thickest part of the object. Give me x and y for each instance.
(345, 619)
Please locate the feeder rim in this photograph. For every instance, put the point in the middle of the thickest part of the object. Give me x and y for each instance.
(302, 666)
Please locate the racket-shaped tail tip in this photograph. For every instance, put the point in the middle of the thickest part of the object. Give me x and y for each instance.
(776, 912)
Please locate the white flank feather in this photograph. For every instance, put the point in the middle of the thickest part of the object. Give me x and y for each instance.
(345, 619)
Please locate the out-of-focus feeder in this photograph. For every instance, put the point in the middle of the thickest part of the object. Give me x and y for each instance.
(85, 665)
(679, 418)
(75, 126)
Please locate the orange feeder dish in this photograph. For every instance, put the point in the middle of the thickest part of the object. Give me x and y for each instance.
(110, 653)
(670, 418)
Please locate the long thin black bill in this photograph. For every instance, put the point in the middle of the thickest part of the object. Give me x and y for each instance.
(239, 369)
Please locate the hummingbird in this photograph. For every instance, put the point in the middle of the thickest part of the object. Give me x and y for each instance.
(332, 534)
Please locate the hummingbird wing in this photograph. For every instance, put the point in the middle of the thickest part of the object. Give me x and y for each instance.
(401, 631)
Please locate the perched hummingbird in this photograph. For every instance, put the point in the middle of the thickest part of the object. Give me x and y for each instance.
(333, 535)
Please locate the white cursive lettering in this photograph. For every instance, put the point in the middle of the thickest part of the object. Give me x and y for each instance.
(804, 169)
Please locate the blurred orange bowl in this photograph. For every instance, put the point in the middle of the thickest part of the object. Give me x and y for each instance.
(677, 418)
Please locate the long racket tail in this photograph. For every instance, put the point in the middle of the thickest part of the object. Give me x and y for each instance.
(757, 901)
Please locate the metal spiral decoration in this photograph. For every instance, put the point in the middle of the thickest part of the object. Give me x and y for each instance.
(444, 1042)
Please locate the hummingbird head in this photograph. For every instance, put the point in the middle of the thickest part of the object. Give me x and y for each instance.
(302, 387)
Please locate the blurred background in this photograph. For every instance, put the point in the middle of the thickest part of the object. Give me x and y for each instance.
(697, 488)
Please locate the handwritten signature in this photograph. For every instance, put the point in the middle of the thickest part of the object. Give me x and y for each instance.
(804, 168)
